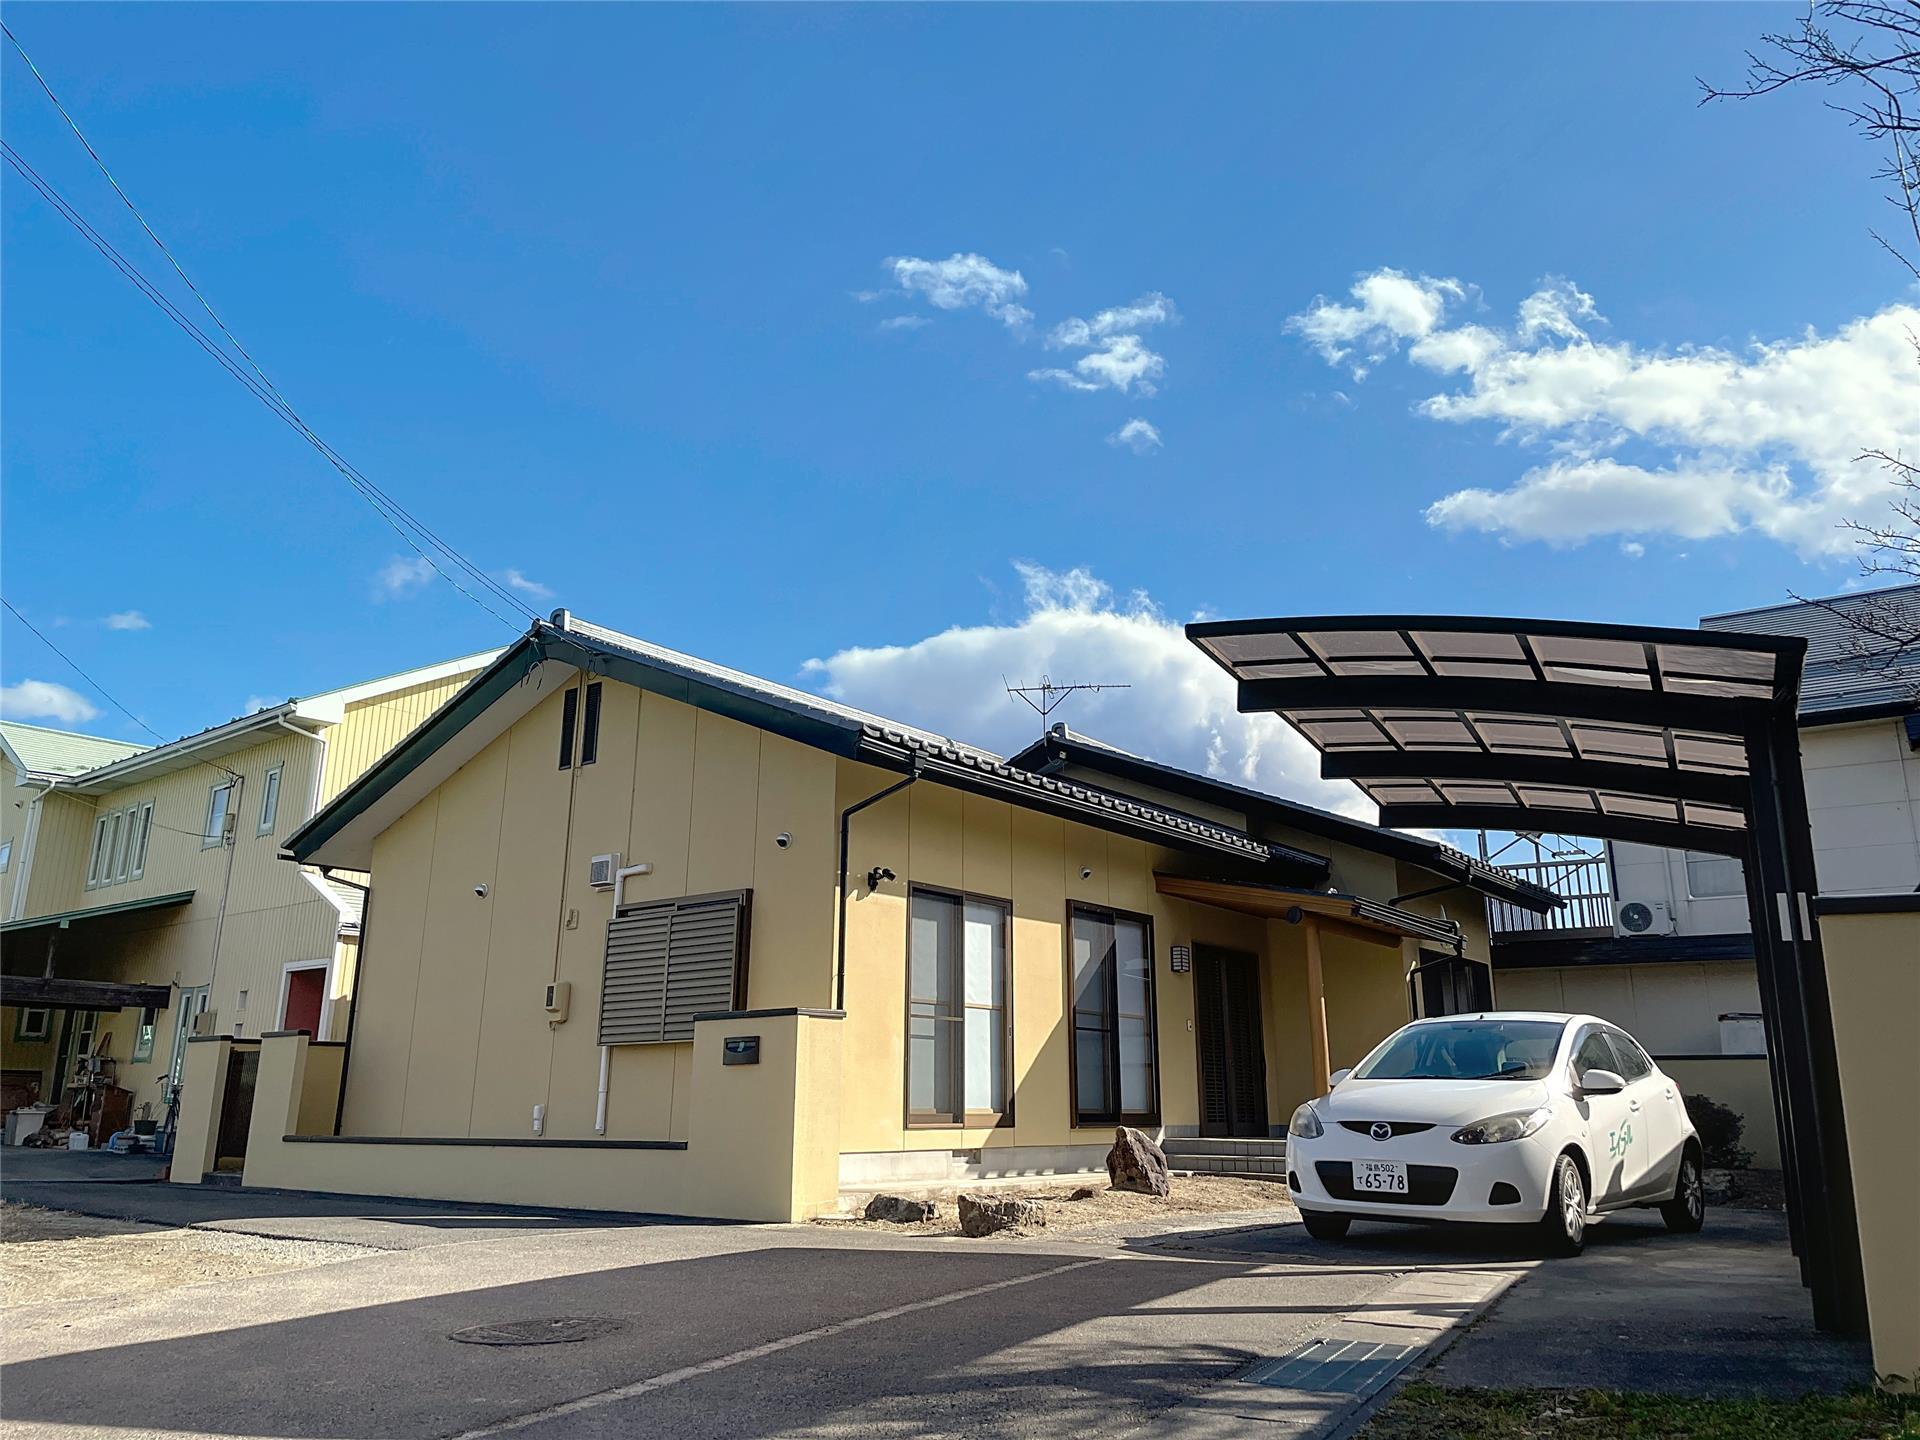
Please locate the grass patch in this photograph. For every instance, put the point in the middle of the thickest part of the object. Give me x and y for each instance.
(1430, 1412)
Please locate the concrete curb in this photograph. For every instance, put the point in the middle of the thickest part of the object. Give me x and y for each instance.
(1328, 1387)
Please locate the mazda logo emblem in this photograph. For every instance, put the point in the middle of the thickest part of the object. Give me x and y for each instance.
(1381, 1130)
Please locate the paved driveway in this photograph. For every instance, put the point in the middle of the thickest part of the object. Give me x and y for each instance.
(714, 1330)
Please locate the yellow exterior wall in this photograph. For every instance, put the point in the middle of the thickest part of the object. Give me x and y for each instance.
(372, 727)
(1873, 979)
(766, 1144)
(451, 1039)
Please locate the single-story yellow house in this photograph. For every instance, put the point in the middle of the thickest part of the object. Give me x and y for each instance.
(647, 933)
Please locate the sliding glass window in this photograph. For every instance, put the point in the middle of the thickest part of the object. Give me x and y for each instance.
(957, 1012)
(1114, 1049)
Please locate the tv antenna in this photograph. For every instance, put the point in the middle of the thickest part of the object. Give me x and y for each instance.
(1046, 697)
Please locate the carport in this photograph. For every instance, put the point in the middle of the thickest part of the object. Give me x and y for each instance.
(1678, 738)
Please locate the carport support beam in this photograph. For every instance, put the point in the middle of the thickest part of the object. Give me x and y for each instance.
(1316, 1006)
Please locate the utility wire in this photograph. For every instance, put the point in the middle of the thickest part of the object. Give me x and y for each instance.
(272, 398)
(101, 690)
(382, 504)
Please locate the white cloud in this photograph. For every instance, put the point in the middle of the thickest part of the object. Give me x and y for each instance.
(127, 620)
(1140, 436)
(1180, 708)
(1149, 310)
(1692, 442)
(962, 282)
(528, 587)
(44, 700)
(257, 703)
(904, 322)
(1391, 308)
(1121, 363)
(401, 576)
(1633, 549)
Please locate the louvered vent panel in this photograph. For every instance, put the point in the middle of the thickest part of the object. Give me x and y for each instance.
(668, 962)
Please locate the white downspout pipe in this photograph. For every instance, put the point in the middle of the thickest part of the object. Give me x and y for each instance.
(319, 762)
(620, 878)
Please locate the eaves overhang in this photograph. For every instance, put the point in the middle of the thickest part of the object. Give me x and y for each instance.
(1064, 746)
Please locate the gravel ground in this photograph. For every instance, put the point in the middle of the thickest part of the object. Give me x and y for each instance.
(1193, 1195)
(47, 1256)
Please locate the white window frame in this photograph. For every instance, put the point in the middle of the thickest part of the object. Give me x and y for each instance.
(143, 821)
(6, 855)
(269, 801)
(326, 994)
(97, 854)
(210, 834)
(122, 844)
(189, 1002)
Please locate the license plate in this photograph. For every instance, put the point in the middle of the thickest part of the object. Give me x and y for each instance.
(1380, 1177)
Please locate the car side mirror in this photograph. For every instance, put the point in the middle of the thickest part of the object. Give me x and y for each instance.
(1601, 1082)
(1337, 1076)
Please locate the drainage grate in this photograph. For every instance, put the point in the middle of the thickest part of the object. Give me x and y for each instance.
(563, 1330)
(1341, 1367)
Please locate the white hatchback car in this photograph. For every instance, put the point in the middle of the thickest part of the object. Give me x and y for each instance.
(1506, 1118)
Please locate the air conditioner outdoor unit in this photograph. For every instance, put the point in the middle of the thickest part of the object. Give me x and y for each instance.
(1643, 917)
(602, 869)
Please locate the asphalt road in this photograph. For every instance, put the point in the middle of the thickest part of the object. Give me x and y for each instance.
(713, 1330)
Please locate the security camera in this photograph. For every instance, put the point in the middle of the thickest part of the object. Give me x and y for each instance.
(1086, 872)
(481, 891)
(783, 839)
(877, 874)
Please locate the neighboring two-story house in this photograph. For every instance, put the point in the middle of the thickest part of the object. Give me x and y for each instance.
(1660, 940)
(144, 896)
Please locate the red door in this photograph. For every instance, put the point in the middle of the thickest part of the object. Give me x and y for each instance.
(306, 993)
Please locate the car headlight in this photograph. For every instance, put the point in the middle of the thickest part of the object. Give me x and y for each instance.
(1498, 1128)
(1305, 1124)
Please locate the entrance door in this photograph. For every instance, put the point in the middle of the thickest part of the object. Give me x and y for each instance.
(306, 993)
(1233, 1057)
(1453, 985)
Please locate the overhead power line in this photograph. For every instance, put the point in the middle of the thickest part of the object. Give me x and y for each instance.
(257, 383)
(99, 689)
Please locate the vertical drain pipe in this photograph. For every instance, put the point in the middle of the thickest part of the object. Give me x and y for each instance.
(846, 816)
(606, 1051)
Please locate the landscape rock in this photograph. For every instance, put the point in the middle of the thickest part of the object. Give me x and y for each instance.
(900, 1210)
(1135, 1163)
(1084, 1192)
(987, 1215)
(1717, 1185)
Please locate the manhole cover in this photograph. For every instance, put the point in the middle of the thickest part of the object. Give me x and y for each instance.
(563, 1330)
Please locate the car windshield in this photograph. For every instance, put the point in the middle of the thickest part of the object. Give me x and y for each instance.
(1467, 1050)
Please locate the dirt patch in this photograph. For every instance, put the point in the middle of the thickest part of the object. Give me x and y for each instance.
(49, 1255)
(1192, 1195)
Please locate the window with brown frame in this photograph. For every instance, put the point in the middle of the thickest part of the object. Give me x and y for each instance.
(957, 1011)
(1115, 1050)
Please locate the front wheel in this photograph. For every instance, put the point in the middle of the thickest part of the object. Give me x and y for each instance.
(1324, 1226)
(1563, 1229)
(1686, 1212)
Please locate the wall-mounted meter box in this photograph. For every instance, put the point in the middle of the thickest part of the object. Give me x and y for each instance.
(559, 996)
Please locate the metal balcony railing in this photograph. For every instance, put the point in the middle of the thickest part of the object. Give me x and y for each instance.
(1584, 884)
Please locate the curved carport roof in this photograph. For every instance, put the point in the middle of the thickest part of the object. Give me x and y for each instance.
(1681, 738)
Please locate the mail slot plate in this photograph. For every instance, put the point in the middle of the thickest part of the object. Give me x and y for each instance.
(740, 1050)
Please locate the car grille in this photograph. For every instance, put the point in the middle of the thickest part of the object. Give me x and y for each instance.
(1426, 1184)
(1398, 1127)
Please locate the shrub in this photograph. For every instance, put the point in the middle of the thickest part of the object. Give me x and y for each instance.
(1720, 1130)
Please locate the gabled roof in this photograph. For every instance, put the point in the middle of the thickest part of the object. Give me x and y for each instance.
(1863, 659)
(1063, 746)
(342, 834)
(40, 752)
(312, 714)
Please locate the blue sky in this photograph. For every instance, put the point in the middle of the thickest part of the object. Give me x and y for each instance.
(604, 293)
